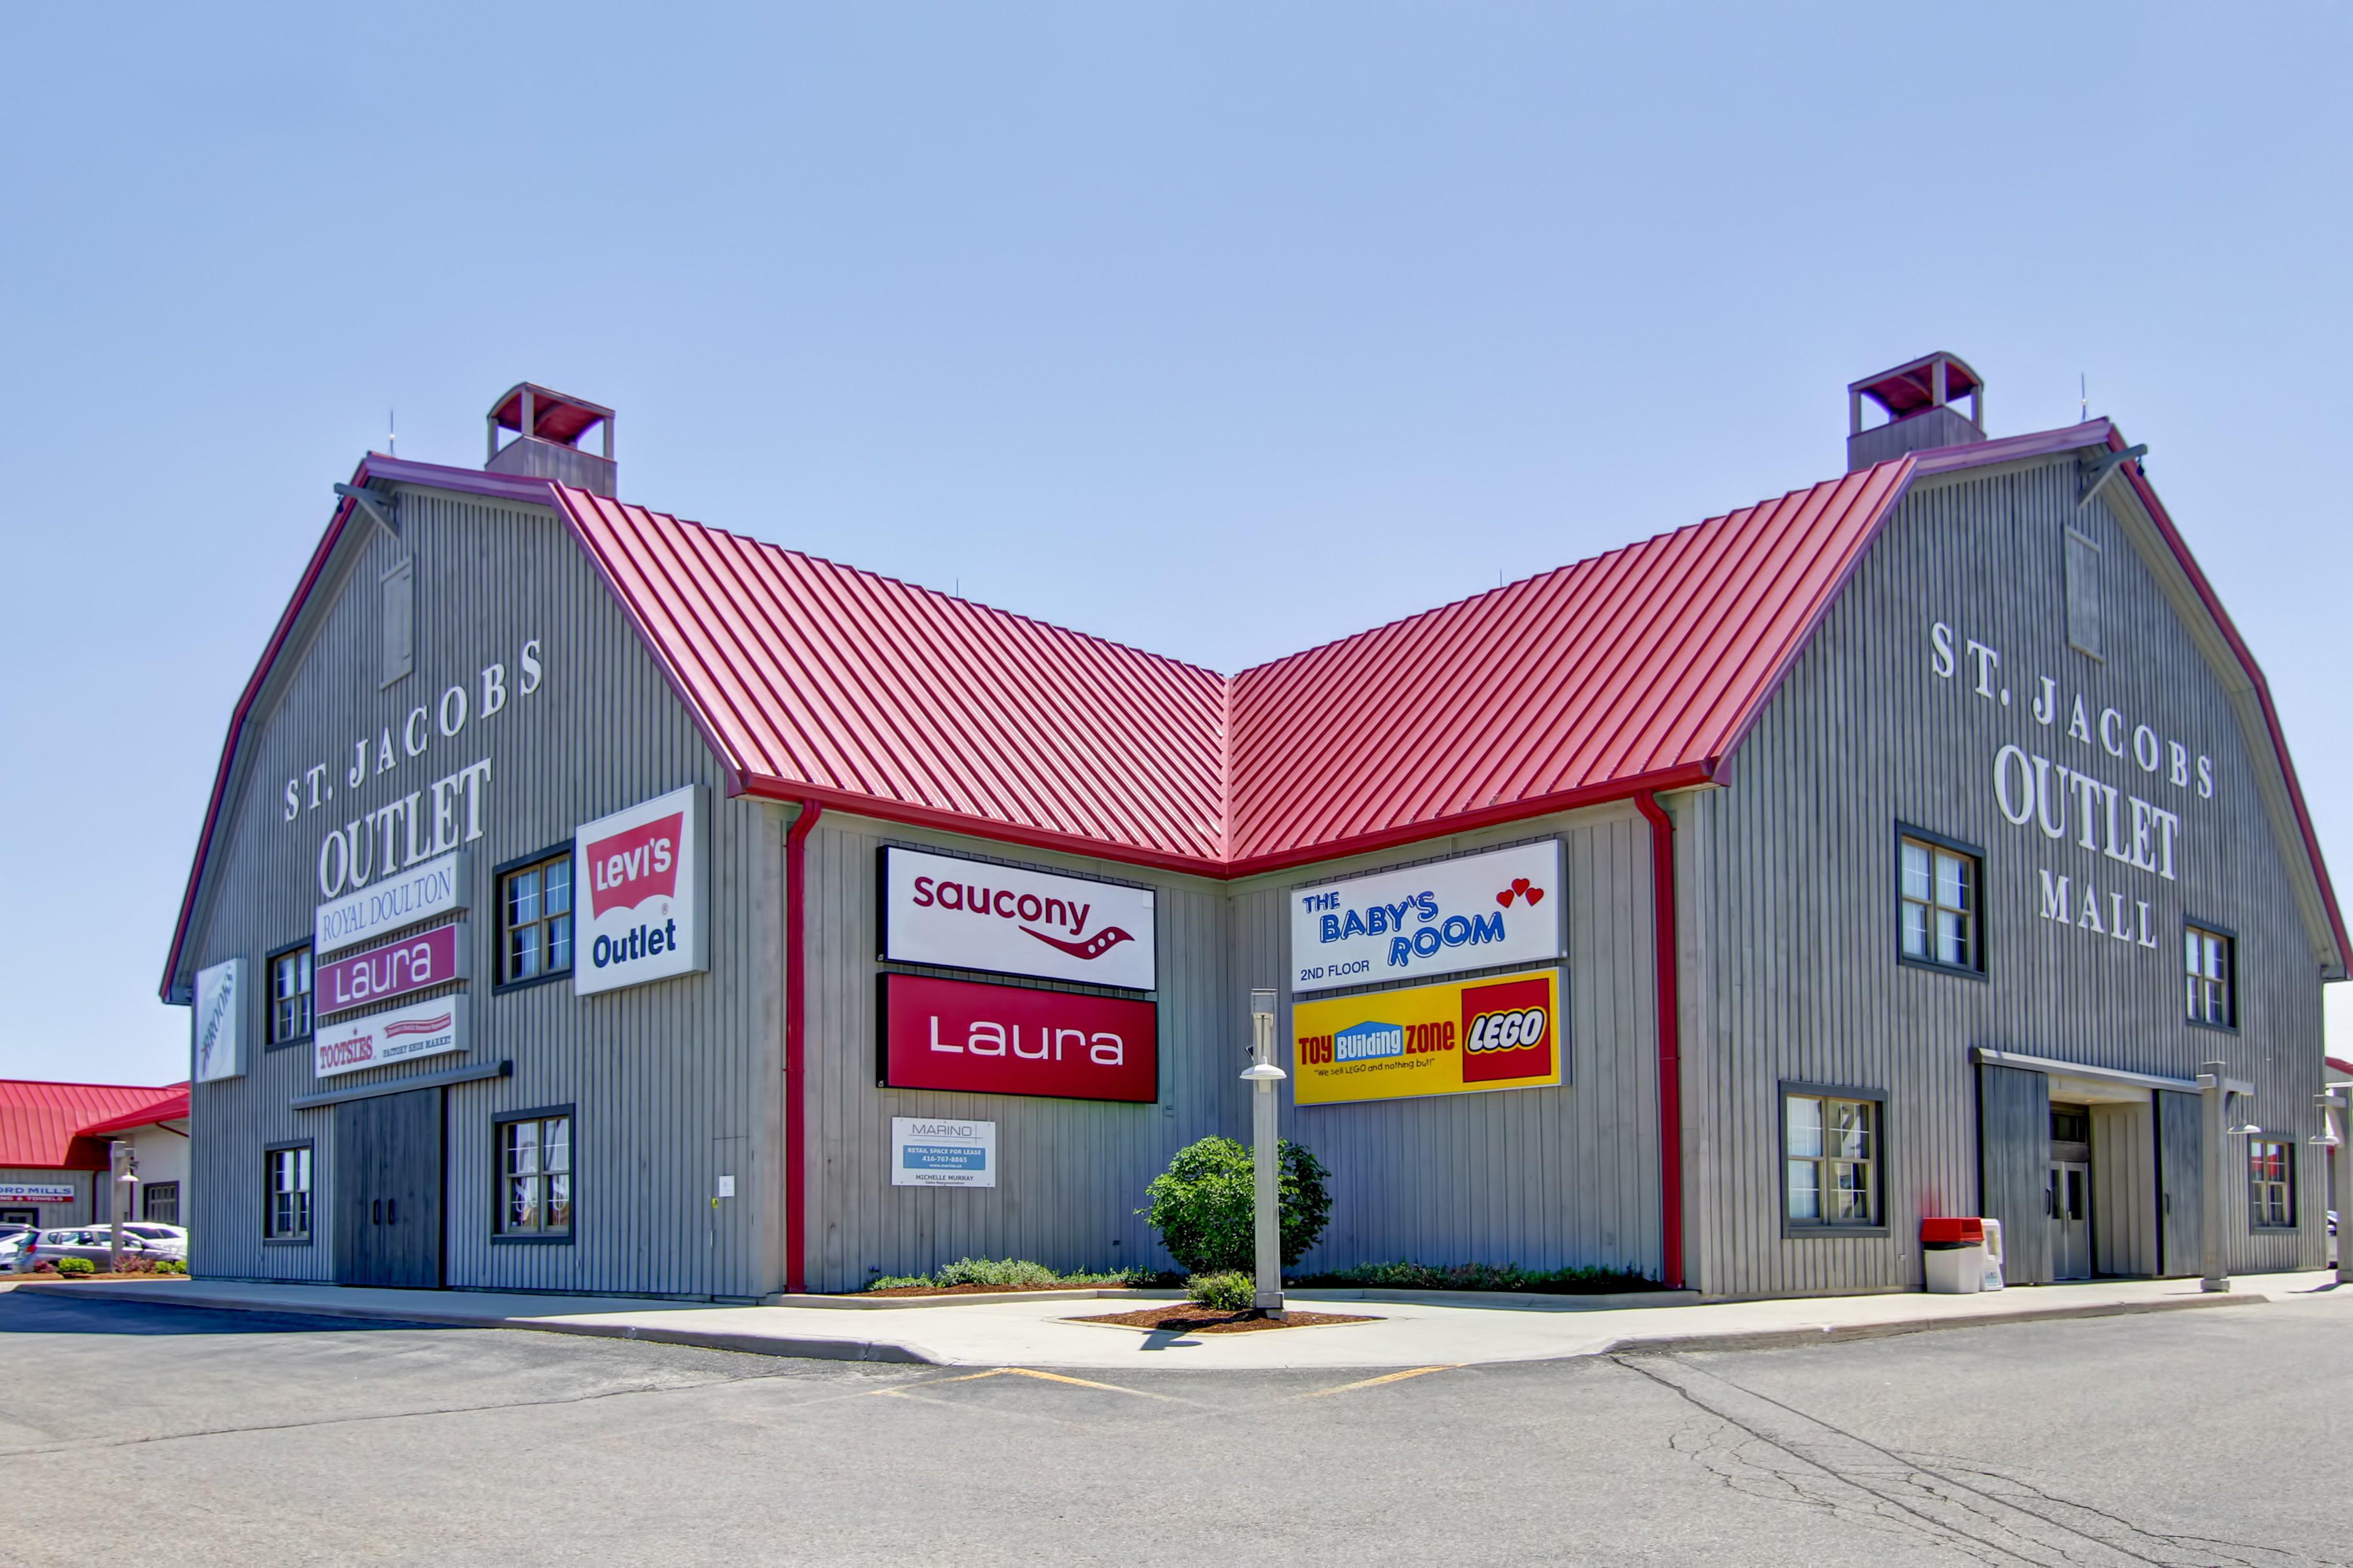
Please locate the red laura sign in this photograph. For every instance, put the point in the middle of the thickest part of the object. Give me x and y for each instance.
(1006, 1039)
(432, 957)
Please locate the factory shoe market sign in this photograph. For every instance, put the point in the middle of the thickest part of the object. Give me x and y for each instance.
(641, 880)
(1010, 919)
(420, 1029)
(393, 969)
(1443, 918)
(1009, 1039)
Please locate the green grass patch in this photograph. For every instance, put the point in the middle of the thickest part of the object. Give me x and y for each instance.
(1580, 1281)
(1013, 1272)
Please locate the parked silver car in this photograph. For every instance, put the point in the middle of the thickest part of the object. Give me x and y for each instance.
(141, 1239)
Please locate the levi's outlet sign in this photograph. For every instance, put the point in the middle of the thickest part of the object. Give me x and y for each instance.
(640, 889)
(1008, 1040)
(1010, 919)
(420, 1029)
(1479, 911)
(393, 969)
(1460, 1038)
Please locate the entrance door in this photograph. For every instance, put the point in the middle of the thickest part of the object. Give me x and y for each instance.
(2069, 1201)
(388, 1182)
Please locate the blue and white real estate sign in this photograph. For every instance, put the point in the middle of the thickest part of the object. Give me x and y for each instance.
(942, 1152)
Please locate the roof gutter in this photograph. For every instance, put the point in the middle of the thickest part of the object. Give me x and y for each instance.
(796, 1083)
(1670, 1012)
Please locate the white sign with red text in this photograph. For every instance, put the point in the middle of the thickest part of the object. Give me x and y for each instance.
(640, 889)
(1010, 919)
(419, 1030)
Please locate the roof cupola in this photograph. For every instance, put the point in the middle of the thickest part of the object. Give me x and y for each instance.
(1918, 399)
(549, 426)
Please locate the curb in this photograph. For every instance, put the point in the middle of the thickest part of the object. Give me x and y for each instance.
(1784, 1339)
(815, 1348)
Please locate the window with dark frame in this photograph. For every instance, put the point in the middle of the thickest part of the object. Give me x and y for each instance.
(535, 920)
(1831, 1159)
(2206, 959)
(289, 996)
(1939, 895)
(160, 1201)
(286, 1191)
(2271, 1178)
(534, 1155)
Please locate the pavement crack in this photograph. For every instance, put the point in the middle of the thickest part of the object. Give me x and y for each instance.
(1975, 1508)
(93, 1445)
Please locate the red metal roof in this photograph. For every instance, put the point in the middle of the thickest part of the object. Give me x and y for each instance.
(816, 679)
(44, 1124)
(1638, 668)
(173, 1106)
(1641, 667)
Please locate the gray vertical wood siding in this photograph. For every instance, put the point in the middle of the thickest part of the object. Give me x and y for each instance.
(656, 1073)
(1786, 942)
(1547, 1178)
(2180, 1138)
(1790, 914)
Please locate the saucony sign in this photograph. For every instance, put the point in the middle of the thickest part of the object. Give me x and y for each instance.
(1012, 920)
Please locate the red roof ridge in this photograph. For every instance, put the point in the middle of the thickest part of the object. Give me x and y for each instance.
(943, 595)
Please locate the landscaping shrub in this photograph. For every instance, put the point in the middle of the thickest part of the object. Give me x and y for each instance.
(76, 1266)
(1009, 1271)
(1585, 1280)
(999, 1271)
(1227, 1291)
(170, 1266)
(1203, 1205)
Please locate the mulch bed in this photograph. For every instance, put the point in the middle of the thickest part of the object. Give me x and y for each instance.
(978, 1289)
(1190, 1318)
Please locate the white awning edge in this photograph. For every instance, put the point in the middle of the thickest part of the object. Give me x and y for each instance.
(1991, 1057)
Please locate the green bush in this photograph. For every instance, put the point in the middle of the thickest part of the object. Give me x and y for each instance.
(999, 1271)
(1204, 1204)
(170, 1266)
(76, 1266)
(1227, 1291)
(1583, 1281)
(1009, 1271)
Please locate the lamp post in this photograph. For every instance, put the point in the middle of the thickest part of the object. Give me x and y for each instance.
(2216, 1275)
(1262, 1075)
(122, 1163)
(2341, 1155)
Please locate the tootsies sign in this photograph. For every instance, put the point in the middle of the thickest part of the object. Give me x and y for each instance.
(1006, 1039)
(394, 969)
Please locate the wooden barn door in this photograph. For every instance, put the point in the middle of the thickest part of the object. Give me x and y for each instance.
(388, 1190)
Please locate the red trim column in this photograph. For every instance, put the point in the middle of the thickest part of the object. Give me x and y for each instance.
(796, 1089)
(1671, 1094)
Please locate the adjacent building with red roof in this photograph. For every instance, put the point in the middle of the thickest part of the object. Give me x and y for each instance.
(592, 900)
(54, 1141)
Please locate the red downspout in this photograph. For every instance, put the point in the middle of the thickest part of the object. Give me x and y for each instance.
(1670, 1095)
(795, 1095)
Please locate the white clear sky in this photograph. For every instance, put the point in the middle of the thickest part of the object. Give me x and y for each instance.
(1217, 330)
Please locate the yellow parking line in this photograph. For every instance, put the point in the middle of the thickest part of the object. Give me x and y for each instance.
(1023, 1372)
(1385, 1377)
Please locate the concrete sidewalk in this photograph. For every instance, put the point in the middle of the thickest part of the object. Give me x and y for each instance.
(984, 1332)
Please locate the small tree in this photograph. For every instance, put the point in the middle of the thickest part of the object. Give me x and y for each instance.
(1204, 1204)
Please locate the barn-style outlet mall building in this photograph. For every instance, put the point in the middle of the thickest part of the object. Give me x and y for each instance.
(592, 901)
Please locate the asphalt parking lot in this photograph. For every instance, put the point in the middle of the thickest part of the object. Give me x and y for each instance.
(2194, 1438)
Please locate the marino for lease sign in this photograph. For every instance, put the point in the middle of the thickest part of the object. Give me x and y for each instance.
(1479, 912)
(1465, 1037)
